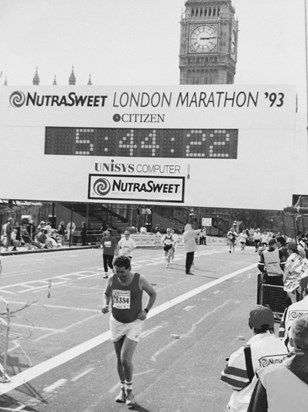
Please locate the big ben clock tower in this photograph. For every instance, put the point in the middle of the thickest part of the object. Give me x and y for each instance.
(208, 50)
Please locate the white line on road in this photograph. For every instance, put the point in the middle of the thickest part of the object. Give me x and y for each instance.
(84, 347)
(55, 385)
(82, 374)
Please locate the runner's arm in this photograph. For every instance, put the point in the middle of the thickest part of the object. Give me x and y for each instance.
(106, 297)
(148, 288)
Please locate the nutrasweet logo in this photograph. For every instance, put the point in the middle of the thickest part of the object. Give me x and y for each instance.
(17, 99)
(101, 187)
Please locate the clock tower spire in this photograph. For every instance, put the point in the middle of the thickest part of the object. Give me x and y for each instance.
(208, 49)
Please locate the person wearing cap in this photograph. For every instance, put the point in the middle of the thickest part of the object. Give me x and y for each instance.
(283, 387)
(296, 267)
(271, 265)
(263, 349)
(294, 311)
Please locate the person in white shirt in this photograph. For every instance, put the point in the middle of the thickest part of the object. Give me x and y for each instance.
(283, 387)
(294, 311)
(190, 246)
(261, 351)
(126, 245)
(243, 239)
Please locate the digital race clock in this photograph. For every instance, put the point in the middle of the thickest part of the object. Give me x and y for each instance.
(180, 143)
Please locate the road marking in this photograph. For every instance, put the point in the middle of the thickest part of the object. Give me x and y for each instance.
(82, 374)
(55, 385)
(189, 307)
(84, 347)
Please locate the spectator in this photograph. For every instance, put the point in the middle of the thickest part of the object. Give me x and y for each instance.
(26, 238)
(190, 246)
(263, 349)
(257, 239)
(294, 311)
(14, 239)
(70, 230)
(50, 241)
(283, 251)
(202, 238)
(41, 237)
(110, 247)
(8, 229)
(83, 233)
(126, 245)
(295, 267)
(157, 229)
(48, 228)
(270, 264)
(41, 226)
(283, 387)
(61, 232)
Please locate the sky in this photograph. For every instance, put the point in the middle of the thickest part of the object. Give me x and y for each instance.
(136, 42)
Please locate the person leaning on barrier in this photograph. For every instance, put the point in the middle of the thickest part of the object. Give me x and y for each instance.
(284, 387)
(283, 250)
(263, 349)
(295, 268)
(293, 312)
(271, 264)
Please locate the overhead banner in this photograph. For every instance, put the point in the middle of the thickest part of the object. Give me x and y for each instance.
(205, 145)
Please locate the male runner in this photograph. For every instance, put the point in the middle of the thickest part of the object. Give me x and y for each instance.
(124, 294)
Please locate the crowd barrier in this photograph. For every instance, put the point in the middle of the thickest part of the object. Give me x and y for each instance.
(154, 240)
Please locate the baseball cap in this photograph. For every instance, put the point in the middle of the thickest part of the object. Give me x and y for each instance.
(261, 315)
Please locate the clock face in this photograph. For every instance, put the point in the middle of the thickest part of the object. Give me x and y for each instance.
(233, 43)
(203, 39)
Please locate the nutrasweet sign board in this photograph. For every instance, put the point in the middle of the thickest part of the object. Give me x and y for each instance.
(209, 145)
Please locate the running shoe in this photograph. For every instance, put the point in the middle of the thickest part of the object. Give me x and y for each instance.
(130, 399)
(121, 398)
(105, 276)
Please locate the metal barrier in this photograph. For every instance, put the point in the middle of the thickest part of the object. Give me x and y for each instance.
(4, 338)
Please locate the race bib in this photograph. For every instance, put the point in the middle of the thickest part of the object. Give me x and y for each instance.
(121, 299)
